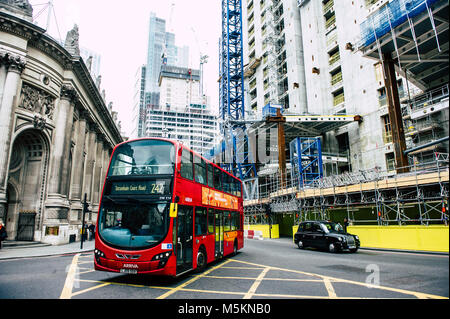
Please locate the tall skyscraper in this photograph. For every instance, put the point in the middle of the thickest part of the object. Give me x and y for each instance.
(182, 114)
(168, 101)
(162, 49)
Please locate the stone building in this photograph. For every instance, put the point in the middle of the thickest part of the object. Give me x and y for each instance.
(56, 133)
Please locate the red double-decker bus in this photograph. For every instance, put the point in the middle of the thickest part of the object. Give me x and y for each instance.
(165, 210)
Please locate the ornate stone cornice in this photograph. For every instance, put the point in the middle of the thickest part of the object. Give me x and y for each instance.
(84, 115)
(13, 62)
(68, 92)
(21, 7)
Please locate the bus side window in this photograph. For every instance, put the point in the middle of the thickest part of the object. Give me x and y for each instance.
(227, 221)
(217, 179)
(200, 170)
(210, 175)
(232, 186)
(228, 180)
(210, 221)
(224, 182)
(235, 221)
(238, 188)
(200, 221)
(187, 168)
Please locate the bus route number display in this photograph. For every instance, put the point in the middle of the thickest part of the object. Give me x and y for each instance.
(157, 187)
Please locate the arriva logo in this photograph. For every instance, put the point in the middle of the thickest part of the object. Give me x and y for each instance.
(130, 266)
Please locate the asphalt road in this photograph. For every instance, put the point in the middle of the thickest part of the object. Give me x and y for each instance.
(263, 269)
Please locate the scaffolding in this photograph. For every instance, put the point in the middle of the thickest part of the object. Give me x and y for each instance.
(424, 123)
(306, 160)
(417, 197)
(396, 12)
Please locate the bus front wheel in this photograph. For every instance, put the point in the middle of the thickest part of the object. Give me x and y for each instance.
(201, 259)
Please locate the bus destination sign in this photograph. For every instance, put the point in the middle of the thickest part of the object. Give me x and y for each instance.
(154, 187)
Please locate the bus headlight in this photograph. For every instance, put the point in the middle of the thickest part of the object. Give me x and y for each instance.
(162, 257)
(98, 254)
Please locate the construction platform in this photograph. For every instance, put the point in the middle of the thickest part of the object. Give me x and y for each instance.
(365, 197)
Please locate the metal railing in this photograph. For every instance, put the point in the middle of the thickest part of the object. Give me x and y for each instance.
(432, 97)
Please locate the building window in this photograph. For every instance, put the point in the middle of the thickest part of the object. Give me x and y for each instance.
(390, 162)
(387, 135)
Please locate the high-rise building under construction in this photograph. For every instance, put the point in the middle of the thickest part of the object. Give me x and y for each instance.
(362, 87)
(304, 55)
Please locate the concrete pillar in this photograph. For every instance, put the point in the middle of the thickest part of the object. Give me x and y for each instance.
(14, 66)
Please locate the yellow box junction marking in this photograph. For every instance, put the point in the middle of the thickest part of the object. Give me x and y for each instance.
(326, 280)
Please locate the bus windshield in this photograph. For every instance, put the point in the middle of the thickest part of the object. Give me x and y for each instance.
(134, 226)
(143, 157)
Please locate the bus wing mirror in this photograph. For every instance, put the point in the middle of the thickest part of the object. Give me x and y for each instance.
(173, 210)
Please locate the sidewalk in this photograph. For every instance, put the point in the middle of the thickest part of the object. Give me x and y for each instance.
(12, 251)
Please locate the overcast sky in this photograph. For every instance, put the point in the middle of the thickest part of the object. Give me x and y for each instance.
(118, 31)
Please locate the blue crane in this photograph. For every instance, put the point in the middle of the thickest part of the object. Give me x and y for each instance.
(231, 97)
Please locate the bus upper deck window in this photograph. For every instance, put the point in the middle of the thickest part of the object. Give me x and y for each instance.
(187, 168)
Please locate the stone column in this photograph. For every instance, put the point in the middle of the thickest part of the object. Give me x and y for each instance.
(3, 72)
(78, 158)
(57, 200)
(90, 162)
(14, 65)
(105, 160)
(98, 170)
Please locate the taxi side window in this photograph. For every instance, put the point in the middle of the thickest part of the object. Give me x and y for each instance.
(307, 227)
(316, 227)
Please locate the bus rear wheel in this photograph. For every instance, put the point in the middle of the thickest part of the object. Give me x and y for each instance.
(201, 260)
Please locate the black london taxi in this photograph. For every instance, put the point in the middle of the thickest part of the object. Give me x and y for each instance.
(325, 235)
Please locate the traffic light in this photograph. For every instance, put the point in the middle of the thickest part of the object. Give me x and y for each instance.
(86, 207)
(85, 210)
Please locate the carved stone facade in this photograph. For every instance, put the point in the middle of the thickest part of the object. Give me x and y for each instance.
(56, 135)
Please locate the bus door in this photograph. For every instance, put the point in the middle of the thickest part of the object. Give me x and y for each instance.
(184, 238)
(218, 217)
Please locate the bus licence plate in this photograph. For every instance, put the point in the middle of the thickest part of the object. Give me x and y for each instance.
(128, 271)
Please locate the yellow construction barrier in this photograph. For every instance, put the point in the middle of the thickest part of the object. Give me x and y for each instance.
(425, 238)
(265, 230)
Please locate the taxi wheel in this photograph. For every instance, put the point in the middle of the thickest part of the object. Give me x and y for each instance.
(332, 248)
